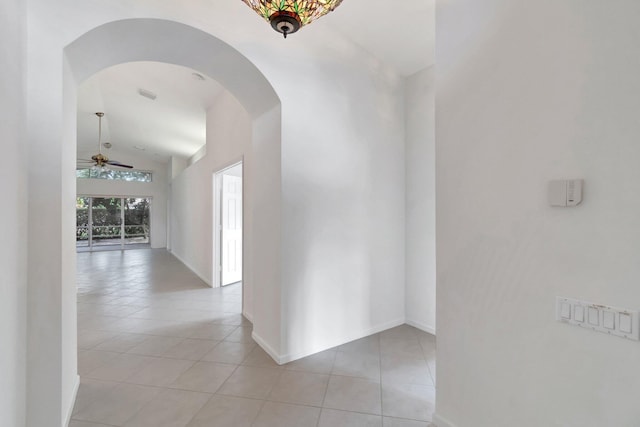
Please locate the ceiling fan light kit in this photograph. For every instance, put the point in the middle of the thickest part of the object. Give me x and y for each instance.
(101, 162)
(288, 16)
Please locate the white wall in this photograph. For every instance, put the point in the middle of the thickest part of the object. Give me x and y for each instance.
(528, 92)
(232, 136)
(176, 166)
(266, 227)
(156, 189)
(69, 378)
(340, 193)
(228, 141)
(90, 54)
(420, 228)
(13, 187)
(51, 262)
(343, 200)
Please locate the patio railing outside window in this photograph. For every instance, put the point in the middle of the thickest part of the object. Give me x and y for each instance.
(112, 221)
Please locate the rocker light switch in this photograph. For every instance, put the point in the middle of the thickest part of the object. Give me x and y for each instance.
(625, 323)
(594, 318)
(565, 310)
(608, 319)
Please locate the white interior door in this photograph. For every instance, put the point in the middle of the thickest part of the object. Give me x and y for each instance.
(231, 232)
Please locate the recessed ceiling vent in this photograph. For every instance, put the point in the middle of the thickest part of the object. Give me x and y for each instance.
(147, 94)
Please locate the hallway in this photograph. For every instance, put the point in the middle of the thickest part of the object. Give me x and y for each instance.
(158, 348)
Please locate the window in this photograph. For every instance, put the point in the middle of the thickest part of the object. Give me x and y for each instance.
(122, 175)
(112, 221)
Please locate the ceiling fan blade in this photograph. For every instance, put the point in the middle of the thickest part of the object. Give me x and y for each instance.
(116, 163)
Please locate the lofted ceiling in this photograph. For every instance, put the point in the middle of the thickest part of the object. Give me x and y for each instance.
(174, 123)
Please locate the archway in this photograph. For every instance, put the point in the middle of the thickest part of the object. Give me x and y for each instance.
(171, 42)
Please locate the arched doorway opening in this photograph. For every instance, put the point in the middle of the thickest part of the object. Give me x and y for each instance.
(117, 42)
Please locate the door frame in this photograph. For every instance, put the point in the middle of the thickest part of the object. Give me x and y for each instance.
(216, 229)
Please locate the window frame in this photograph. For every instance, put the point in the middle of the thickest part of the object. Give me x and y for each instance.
(109, 178)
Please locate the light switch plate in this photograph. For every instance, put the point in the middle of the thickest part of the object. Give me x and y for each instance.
(620, 322)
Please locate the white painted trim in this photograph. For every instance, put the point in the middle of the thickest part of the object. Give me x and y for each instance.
(216, 209)
(266, 347)
(248, 316)
(281, 360)
(423, 327)
(216, 223)
(179, 258)
(229, 164)
(291, 357)
(71, 404)
(442, 422)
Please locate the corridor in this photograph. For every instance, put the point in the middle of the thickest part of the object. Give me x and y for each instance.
(158, 348)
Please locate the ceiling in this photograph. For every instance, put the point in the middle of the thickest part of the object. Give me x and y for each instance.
(174, 123)
(404, 36)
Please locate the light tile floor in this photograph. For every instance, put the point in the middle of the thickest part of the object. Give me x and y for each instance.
(158, 348)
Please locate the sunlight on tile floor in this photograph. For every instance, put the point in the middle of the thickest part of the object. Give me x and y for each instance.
(158, 348)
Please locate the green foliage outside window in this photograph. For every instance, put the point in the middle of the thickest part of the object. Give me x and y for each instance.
(121, 175)
(106, 218)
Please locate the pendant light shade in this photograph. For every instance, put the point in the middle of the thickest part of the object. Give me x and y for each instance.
(287, 16)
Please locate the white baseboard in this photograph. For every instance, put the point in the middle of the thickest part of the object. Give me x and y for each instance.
(379, 328)
(374, 330)
(442, 422)
(282, 359)
(267, 348)
(423, 327)
(248, 316)
(71, 404)
(204, 279)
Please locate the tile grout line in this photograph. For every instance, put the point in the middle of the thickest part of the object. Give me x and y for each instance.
(380, 359)
(163, 306)
(326, 390)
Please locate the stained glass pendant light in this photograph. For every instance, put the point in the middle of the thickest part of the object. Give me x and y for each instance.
(287, 16)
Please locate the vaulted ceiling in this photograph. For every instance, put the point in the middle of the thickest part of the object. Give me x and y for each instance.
(174, 123)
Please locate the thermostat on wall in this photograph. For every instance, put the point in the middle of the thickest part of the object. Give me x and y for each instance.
(565, 193)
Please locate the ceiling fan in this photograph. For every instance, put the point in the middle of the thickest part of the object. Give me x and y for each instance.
(100, 161)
